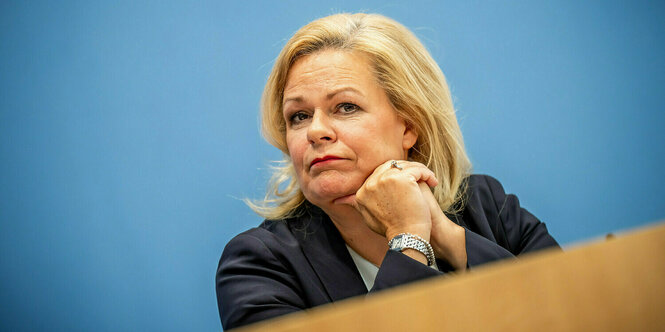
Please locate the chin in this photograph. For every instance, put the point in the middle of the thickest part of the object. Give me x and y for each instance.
(325, 193)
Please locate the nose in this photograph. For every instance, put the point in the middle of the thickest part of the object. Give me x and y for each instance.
(320, 129)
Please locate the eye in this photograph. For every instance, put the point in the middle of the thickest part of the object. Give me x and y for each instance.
(298, 117)
(347, 108)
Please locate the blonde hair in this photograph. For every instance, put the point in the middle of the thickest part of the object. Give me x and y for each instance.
(413, 82)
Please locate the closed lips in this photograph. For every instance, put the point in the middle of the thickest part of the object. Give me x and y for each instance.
(326, 158)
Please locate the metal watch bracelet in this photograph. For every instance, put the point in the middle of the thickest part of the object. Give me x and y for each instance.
(411, 241)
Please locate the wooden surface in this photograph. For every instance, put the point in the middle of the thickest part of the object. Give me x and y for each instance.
(610, 285)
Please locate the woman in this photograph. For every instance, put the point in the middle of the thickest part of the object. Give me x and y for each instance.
(377, 190)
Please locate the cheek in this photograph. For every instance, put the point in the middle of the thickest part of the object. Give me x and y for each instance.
(296, 151)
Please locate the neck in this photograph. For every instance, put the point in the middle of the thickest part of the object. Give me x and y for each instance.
(357, 235)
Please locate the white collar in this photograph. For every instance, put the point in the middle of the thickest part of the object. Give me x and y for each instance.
(367, 270)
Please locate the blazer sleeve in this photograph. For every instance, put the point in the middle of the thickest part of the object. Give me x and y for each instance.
(507, 229)
(254, 284)
(398, 269)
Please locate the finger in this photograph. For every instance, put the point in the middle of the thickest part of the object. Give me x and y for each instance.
(420, 173)
(428, 196)
(432, 203)
(427, 176)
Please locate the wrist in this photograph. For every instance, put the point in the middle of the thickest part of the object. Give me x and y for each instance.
(413, 246)
(423, 232)
(416, 255)
(449, 243)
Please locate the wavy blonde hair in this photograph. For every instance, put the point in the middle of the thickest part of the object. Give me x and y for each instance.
(413, 82)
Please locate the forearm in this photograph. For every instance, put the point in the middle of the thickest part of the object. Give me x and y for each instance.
(449, 243)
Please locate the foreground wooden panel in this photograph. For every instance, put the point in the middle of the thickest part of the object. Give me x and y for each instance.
(613, 285)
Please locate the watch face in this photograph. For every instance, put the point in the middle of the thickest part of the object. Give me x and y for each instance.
(397, 242)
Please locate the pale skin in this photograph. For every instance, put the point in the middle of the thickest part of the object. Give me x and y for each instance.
(342, 132)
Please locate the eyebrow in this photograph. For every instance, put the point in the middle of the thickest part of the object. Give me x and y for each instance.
(328, 96)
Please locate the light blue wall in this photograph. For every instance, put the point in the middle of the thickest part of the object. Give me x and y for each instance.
(128, 136)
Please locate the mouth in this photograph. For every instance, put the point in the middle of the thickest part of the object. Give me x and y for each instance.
(323, 160)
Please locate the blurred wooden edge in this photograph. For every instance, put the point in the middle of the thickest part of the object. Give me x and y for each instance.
(610, 285)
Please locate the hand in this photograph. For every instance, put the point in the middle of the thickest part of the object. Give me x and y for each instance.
(391, 201)
(447, 238)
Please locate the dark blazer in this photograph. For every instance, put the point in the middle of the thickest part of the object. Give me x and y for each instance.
(284, 266)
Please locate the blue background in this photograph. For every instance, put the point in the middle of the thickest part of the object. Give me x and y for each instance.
(129, 134)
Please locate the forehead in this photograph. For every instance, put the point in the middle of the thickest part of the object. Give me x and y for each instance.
(329, 69)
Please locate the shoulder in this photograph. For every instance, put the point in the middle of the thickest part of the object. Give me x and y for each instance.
(270, 236)
(484, 192)
(483, 185)
(279, 238)
(488, 211)
(268, 258)
(498, 216)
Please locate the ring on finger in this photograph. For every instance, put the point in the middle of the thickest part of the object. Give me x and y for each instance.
(393, 164)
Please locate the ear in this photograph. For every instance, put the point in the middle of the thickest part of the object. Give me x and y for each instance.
(409, 138)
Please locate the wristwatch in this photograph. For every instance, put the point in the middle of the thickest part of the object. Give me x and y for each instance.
(411, 241)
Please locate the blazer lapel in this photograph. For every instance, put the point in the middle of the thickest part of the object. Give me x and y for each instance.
(326, 252)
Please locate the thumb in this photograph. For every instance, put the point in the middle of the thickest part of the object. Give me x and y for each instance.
(434, 208)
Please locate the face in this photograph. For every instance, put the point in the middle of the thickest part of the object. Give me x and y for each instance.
(340, 124)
